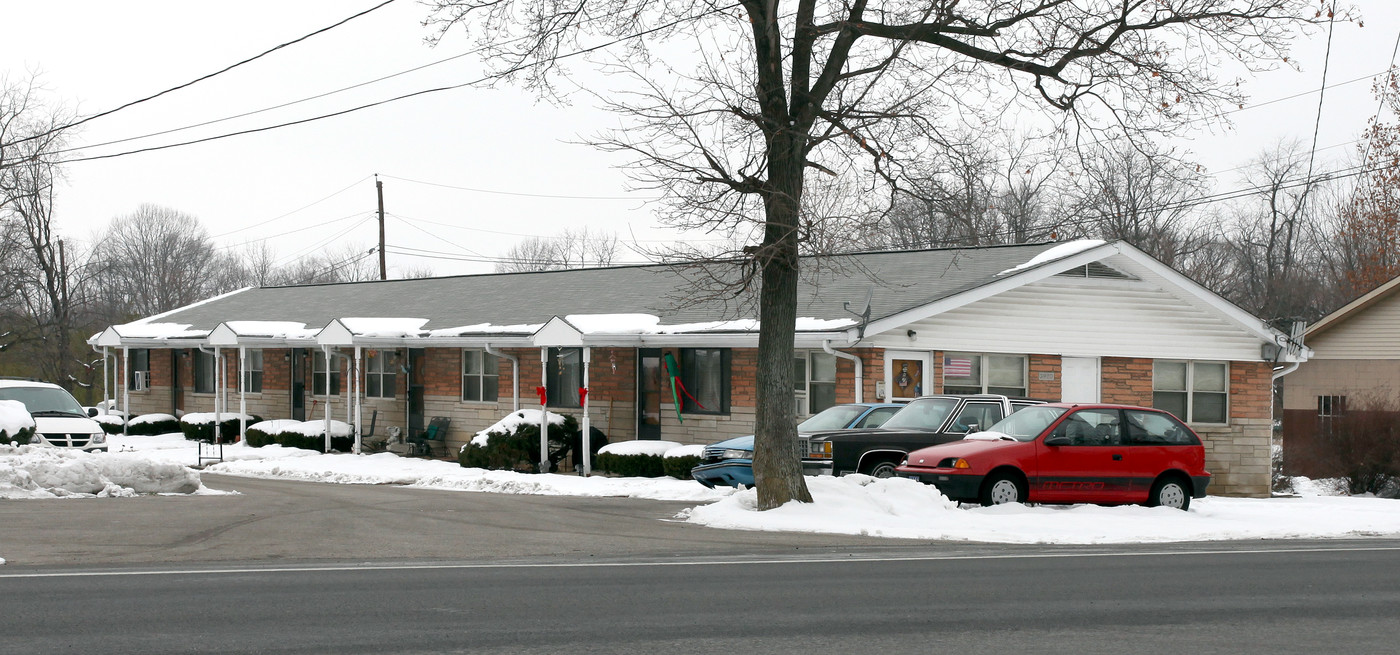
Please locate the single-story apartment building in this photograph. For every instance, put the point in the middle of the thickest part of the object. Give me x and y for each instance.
(1355, 367)
(1082, 321)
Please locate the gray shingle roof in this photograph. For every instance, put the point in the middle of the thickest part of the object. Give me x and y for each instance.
(902, 280)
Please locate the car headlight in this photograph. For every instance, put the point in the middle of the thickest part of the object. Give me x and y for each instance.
(736, 453)
(819, 449)
(99, 437)
(954, 463)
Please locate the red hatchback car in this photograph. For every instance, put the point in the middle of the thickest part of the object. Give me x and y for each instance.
(1068, 453)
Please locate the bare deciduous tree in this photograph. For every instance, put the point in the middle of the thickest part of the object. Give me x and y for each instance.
(1144, 197)
(860, 88)
(569, 249)
(156, 259)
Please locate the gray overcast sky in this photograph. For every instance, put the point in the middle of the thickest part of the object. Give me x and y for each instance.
(96, 55)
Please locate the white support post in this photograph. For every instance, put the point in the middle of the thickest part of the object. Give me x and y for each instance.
(242, 393)
(358, 401)
(326, 350)
(218, 395)
(126, 387)
(544, 410)
(587, 358)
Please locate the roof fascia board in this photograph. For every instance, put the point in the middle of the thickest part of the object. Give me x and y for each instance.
(1012, 281)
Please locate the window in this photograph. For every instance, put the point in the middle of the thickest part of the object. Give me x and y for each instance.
(203, 372)
(379, 374)
(318, 374)
(814, 381)
(1330, 406)
(1155, 429)
(139, 377)
(479, 375)
(1196, 392)
(564, 376)
(253, 372)
(705, 374)
(1091, 427)
(976, 416)
(978, 373)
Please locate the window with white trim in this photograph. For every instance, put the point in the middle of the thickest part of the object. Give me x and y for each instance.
(1331, 406)
(379, 374)
(252, 377)
(139, 378)
(318, 374)
(814, 381)
(480, 374)
(983, 373)
(1196, 392)
(204, 372)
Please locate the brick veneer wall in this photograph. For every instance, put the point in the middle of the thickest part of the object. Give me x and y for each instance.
(1048, 389)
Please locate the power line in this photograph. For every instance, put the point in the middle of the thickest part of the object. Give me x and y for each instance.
(538, 236)
(1380, 102)
(204, 77)
(347, 188)
(405, 96)
(438, 254)
(300, 229)
(450, 243)
(1326, 61)
(517, 193)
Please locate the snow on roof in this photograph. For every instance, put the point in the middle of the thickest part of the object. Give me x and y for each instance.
(385, 327)
(1058, 252)
(650, 324)
(272, 329)
(142, 330)
(486, 328)
(153, 319)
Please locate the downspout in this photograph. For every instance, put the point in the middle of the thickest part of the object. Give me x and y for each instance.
(514, 375)
(218, 418)
(1286, 370)
(860, 368)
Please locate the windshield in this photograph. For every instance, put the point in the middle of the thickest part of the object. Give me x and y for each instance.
(43, 399)
(922, 414)
(1028, 423)
(831, 418)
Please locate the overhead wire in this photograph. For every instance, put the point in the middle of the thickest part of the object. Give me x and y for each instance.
(300, 229)
(304, 207)
(1380, 102)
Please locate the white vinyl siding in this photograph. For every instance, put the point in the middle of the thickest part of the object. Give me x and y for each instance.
(1086, 318)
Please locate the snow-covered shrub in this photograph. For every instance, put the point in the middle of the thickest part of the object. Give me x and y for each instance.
(311, 435)
(113, 423)
(16, 425)
(634, 459)
(148, 424)
(513, 443)
(678, 461)
(199, 426)
(265, 433)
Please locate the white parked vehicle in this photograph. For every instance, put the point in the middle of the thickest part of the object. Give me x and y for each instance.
(59, 420)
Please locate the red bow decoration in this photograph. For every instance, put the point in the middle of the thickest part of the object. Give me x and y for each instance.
(544, 395)
(582, 395)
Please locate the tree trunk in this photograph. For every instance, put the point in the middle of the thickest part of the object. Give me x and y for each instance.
(777, 465)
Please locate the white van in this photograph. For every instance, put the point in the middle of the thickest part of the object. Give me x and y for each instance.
(58, 418)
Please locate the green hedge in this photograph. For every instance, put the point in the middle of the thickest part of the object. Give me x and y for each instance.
(520, 450)
(314, 442)
(151, 428)
(115, 428)
(258, 438)
(228, 429)
(679, 467)
(22, 437)
(630, 466)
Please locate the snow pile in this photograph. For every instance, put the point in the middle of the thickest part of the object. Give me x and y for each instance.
(14, 417)
(384, 327)
(693, 450)
(275, 426)
(895, 507)
(207, 418)
(639, 447)
(149, 418)
(513, 420)
(387, 468)
(317, 428)
(41, 472)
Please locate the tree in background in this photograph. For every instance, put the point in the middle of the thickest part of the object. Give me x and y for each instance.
(156, 259)
(568, 249)
(1367, 234)
(856, 89)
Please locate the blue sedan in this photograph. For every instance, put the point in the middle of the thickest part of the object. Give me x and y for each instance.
(730, 462)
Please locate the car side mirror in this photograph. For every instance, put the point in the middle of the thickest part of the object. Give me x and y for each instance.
(973, 427)
(1057, 440)
(92, 412)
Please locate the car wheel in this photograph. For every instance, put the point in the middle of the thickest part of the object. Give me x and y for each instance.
(1001, 488)
(884, 469)
(1169, 492)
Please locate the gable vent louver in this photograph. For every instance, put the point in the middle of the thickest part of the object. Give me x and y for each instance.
(1096, 270)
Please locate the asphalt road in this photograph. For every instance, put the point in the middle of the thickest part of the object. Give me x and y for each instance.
(617, 578)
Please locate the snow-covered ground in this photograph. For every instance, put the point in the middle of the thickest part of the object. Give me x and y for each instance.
(849, 505)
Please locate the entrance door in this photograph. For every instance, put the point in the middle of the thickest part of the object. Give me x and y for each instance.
(650, 382)
(177, 394)
(298, 385)
(416, 387)
(1079, 379)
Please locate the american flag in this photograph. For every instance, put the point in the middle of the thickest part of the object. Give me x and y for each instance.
(957, 368)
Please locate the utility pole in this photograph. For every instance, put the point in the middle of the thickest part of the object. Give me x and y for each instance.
(379, 188)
